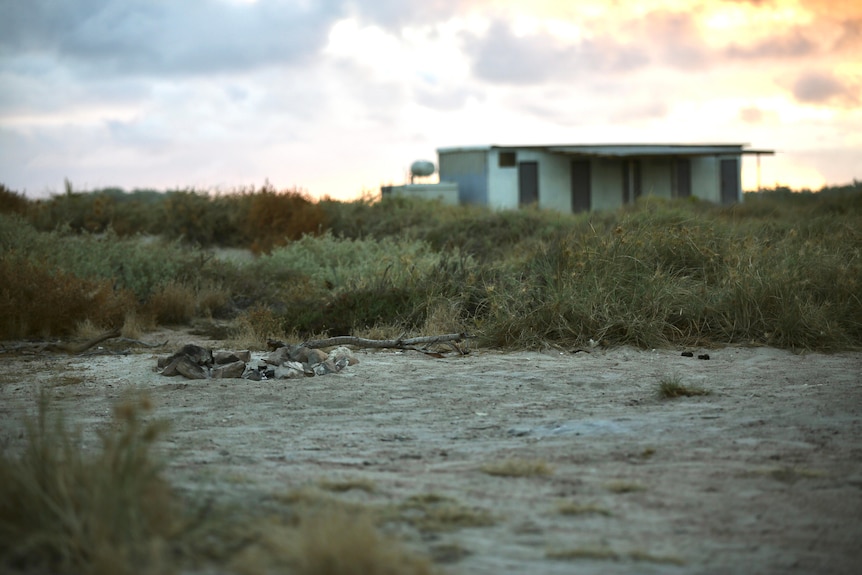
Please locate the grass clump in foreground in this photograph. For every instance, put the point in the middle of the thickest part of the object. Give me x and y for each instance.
(670, 387)
(329, 541)
(66, 510)
(432, 513)
(517, 467)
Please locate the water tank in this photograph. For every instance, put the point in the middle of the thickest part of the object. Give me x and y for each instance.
(422, 168)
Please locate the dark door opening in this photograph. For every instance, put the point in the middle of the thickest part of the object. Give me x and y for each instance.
(581, 186)
(631, 180)
(729, 181)
(682, 178)
(528, 183)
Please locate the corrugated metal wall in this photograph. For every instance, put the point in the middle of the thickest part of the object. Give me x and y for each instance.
(468, 169)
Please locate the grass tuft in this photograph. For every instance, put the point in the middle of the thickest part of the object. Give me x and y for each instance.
(587, 553)
(670, 387)
(573, 508)
(624, 487)
(344, 485)
(432, 513)
(64, 509)
(518, 467)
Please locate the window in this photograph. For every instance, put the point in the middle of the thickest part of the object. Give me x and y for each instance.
(508, 159)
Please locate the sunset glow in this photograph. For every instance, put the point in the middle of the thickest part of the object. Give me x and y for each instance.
(338, 97)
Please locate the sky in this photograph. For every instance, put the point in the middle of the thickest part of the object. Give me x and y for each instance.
(339, 97)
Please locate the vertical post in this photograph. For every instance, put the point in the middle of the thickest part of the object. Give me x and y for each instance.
(758, 172)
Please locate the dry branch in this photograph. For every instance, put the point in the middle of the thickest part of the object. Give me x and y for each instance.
(399, 343)
(73, 348)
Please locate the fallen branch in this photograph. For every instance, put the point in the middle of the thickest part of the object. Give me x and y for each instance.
(73, 348)
(399, 343)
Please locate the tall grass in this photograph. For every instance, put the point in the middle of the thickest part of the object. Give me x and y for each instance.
(779, 269)
(64, 509)
(667, 277)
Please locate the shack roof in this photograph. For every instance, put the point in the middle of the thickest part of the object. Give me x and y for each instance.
(621, 150)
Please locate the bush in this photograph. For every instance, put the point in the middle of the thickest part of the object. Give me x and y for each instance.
(274, 219)
(36, 301)
(64, 510)
(12, 202)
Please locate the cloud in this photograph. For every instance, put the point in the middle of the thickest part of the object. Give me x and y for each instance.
(816, 87)
(791, 45)
(162, 38)
(500, 56)
(850, 39)
(751, 115)
(672, 38)
(443, 98)
(394, 14)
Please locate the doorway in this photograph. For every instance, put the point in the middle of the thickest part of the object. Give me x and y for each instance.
(729, 181)
(528, 183)
(581, 186)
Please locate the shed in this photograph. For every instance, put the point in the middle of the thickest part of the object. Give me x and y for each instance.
(576, 178)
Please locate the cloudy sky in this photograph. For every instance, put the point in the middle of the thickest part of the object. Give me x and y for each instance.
(340, 96)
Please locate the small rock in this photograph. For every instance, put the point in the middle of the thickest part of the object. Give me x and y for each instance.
(187, 367)
(325, 367)
(703, 356)
(308, 355)
(342, 352)
(225, 357)
(279, 356)
(291, 370)
(251, 374)
(687, 354)
(231, 370)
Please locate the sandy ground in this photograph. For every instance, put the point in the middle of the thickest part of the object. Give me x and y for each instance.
(764, 475)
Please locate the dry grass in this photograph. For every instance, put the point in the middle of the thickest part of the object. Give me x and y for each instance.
(432, 513)
(444, 316)
(66, 510)
(136, 325)
(671, 387)
(37, 301)
(344, 485)
(789, 474)
(589, 553)
(517, 467)
(573, 508)
(336, 543)
(330, 541)
(606, 554)
(255, 326)
(624, 487)
(173, 303)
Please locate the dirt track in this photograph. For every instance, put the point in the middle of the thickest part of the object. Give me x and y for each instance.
(764, 475)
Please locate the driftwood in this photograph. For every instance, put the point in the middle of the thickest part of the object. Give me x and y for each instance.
(400, 343)
(71, 348)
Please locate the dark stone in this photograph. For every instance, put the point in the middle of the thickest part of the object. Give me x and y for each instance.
(231, 370)
(186, 366)
(225, 357)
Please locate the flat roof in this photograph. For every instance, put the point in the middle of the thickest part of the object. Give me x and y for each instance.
(621, 150)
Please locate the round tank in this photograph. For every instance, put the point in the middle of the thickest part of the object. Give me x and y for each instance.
(422, 168)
